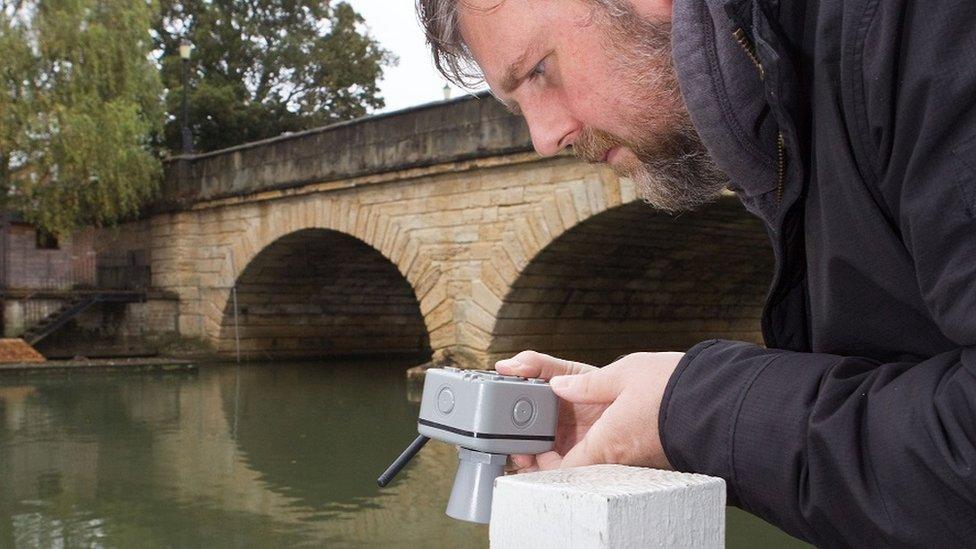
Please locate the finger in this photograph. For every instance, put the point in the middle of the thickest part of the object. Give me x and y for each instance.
(539, 365)
(599, 387)
(534, 468)
(583, 454)
(521, 461)
(513, 466)
(592, 449)
(549, 460)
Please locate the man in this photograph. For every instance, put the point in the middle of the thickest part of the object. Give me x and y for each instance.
(849, 128)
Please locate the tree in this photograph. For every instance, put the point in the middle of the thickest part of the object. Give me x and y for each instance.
(263, 67)
(80, 100)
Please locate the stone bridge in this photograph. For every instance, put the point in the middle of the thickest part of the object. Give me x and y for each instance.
(438, 230)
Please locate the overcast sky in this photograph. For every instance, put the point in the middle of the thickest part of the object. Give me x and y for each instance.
(414, 81)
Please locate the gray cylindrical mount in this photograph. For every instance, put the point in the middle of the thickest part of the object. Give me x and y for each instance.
(473, 485)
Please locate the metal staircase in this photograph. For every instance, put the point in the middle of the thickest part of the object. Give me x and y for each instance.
(72, 308)
(50, 323)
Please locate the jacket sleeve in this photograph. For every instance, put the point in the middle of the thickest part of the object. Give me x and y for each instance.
(839, 451)
(848, 451)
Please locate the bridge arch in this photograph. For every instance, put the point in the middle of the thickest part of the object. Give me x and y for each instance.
(627, 278)
(319, 292)
(323, 277)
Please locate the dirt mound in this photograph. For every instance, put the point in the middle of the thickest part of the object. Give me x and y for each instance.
(18, 351)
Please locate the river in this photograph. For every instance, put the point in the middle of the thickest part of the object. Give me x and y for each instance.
(261, 455)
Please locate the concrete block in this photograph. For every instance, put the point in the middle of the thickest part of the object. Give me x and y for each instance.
(607, 506)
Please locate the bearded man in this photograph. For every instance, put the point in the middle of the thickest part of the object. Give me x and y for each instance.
(849, 128)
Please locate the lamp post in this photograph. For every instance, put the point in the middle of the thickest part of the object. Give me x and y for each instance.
(185, 48)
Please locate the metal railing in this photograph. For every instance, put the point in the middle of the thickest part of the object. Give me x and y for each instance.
(124, 272)
(34, 311)
(49, 270)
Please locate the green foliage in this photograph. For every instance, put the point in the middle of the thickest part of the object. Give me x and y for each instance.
(79, 101)
(263, 67)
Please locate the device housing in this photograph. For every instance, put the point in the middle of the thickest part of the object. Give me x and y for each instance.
(488, 412)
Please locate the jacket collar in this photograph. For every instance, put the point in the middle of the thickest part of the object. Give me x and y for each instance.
(723, 88)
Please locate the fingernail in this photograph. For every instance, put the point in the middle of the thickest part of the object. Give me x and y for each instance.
(559, 382)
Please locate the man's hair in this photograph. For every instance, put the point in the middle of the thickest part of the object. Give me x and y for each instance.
(451, 55)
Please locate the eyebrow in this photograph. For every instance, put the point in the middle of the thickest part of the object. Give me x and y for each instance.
(515, 72)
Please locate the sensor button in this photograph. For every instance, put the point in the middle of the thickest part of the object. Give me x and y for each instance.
(522, 413)
(445, 400)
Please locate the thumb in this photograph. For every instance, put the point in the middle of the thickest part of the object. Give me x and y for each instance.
(599, 387)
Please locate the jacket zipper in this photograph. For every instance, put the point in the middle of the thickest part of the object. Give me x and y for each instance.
(781, 171)
(747, 46)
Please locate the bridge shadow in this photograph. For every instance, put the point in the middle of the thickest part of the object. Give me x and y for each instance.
(632, 279)
(318, 293)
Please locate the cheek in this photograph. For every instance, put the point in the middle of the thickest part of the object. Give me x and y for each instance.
(597, 97)
(589, 100)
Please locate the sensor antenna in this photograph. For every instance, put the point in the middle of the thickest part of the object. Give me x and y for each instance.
(401, 461)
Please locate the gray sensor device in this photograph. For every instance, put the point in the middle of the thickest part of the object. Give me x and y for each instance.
(488, 416)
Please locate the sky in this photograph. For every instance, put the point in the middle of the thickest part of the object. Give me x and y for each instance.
(415, 80)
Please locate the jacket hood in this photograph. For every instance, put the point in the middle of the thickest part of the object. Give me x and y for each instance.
(722, 88)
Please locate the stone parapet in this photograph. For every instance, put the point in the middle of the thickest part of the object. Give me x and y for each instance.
(437, 133)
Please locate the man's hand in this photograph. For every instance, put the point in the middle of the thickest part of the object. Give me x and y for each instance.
(606, 415)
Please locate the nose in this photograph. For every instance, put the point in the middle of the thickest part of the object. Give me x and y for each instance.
(551, 126)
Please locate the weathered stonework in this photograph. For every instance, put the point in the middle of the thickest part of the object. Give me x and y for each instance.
(495, 250)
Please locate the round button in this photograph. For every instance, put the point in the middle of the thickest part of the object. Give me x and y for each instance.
(445, 400)
(522, 413)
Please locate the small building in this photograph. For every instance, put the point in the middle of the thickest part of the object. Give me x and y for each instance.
(50, 284)
(35, 260)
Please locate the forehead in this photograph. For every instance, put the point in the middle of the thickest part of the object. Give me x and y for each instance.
(499, 33)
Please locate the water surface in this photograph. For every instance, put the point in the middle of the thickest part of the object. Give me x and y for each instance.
(270, 455)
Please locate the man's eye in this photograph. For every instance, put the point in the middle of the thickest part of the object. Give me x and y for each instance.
(539, 69)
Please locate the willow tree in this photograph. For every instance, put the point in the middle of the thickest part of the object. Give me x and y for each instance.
(260, 68)
(79, 105)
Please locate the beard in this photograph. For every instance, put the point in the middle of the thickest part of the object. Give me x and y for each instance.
(670, 166)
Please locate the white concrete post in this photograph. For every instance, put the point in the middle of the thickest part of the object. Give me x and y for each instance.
(607, 506)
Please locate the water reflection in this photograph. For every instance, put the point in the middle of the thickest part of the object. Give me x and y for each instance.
(256, 456)
(157, 461)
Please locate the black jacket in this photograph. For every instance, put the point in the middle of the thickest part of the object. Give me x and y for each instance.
(849, 127)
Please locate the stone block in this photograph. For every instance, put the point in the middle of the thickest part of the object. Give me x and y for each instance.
(608, 506)
(567, 207)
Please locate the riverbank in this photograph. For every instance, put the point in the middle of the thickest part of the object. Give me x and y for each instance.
(133, 365)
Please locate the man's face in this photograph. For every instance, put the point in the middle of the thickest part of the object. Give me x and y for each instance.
(602, 83)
